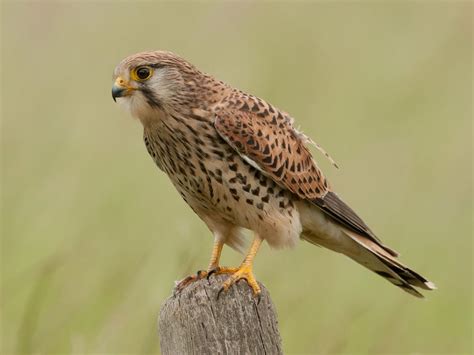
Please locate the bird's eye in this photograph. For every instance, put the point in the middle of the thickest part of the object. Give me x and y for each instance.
(142, 73)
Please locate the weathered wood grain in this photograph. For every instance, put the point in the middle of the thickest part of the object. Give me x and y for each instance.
(195, 321)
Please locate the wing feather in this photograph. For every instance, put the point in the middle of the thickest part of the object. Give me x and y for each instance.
(264, 136)
(266, 139)
(337, 209)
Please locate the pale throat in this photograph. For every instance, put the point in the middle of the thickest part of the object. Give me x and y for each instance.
(139, 108)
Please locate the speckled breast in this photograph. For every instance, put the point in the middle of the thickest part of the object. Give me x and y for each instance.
(211, 177)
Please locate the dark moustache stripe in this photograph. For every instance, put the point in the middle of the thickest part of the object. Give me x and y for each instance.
(150, 98)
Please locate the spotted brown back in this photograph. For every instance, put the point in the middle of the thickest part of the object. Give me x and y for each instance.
(265, 137)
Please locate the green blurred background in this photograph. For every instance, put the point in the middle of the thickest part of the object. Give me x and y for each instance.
(93, 235)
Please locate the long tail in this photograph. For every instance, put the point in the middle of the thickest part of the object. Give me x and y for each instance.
(376, 259)
(321, 230)
(373, 257)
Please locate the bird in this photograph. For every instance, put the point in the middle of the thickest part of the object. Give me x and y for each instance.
(240, 164)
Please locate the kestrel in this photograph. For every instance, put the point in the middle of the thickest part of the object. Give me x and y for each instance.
(239, 163)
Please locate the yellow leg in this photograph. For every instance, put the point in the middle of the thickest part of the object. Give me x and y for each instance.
(245, 270)
(216, 254)
(213, 266)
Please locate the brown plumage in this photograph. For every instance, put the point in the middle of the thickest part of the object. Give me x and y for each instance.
(240, 164)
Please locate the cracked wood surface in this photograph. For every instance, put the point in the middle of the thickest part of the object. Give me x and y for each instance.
(196, 322)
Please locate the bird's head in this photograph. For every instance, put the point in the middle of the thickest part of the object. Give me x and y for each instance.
(147, 82)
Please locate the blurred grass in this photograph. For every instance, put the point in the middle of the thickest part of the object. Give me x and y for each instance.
(93, 235)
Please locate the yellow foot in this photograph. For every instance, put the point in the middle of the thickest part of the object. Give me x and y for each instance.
(244, 272)
(190, 279)
(219, 270)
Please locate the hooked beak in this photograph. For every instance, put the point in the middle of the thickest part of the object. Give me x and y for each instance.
(121, 88)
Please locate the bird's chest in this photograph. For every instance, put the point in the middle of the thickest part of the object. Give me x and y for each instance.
(212, 178)
(193, 156)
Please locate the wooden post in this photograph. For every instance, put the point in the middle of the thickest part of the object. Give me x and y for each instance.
(195, 321)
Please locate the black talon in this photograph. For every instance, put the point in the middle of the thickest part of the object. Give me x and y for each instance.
(210, 272)
(259, 298)
(220, 291)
